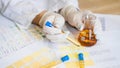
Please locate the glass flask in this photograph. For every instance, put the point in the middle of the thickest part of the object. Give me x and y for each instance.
(86, 36)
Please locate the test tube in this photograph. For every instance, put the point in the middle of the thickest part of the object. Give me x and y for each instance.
(54, 63)
(81, 60)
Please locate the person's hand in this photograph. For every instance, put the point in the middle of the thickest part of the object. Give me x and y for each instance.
(76, 18)
(52, 24)
(73, 16)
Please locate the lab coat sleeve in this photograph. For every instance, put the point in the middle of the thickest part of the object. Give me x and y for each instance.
(22, 12)
(55, 5)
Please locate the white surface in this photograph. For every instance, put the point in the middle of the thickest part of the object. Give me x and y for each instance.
(105, 53)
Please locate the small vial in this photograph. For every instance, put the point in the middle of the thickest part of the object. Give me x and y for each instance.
(86, 36)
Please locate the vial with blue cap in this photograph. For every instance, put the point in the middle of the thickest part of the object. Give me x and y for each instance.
(57, 63)
(81, 60)
(49, 24)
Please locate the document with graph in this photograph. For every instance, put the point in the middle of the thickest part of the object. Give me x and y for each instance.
(13, 39)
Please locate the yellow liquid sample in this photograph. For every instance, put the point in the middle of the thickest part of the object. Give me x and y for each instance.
(87, 37)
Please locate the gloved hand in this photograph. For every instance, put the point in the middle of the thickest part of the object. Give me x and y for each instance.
(52, 24)
(75, 18)
(72, 16)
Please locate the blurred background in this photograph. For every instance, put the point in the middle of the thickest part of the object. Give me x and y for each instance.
(101, 6)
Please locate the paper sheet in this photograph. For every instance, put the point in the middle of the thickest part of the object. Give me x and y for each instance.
(26, 48)
(46, 57)
(105, 54)
(13, 39)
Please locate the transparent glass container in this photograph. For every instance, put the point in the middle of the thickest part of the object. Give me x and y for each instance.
(86, 36)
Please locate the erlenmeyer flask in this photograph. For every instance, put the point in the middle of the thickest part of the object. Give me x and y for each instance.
(86, 36)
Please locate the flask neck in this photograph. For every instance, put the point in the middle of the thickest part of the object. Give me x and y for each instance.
(89, 21)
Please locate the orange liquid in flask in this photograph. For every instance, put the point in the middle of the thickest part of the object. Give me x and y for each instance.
(86, 36)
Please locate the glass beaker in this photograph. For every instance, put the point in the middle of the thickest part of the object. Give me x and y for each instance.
(86, 36)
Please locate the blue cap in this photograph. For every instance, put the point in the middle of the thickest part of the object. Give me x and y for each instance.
(48, 24)
(65, 58)
(80, 56)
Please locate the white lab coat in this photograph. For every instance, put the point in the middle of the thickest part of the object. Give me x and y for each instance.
(22, 12)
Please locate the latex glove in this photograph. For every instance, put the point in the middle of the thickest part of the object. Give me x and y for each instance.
(52, 26)
(73, 16)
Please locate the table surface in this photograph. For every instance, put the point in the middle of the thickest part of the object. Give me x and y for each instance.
(101, 6)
